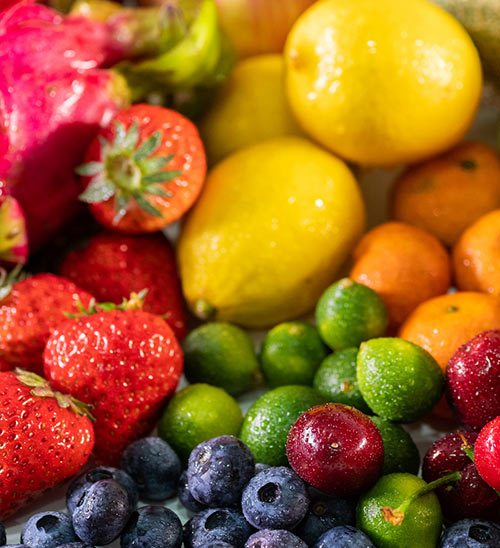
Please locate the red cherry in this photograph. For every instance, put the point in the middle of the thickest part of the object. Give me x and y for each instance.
(473, 380)
(470, 496)
(336, 449)
(487, 453)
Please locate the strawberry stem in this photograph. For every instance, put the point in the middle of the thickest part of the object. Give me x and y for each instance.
(134, 302)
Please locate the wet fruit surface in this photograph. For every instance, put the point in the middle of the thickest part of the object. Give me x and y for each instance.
(336, 448)
(487, 453)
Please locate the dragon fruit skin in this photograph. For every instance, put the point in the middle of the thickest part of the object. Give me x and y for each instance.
(49, 113)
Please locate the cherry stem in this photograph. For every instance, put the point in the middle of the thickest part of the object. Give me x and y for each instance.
(395, 516)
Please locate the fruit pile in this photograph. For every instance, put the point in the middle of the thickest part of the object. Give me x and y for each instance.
(156, 206)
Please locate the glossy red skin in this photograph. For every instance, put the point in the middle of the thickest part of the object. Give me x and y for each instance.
(29, 314)
(336, 449)
(473, 380)
(41, 444)
(470, 497)
(126, 364)
(487, 453)
(112, 265)
(180, 137)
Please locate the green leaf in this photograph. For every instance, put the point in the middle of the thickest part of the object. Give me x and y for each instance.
(120, 133)
(131, 138)
(90, 169)
(161, 177)
(157, 190)
(99, 190)
(121, 206)
(146, 206)
(149, 146)
(152, 165)
(105, 144)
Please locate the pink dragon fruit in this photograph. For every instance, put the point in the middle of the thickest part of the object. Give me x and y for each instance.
(54, 96)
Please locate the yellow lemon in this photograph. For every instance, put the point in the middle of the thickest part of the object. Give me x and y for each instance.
(273, 225)
(382, 82)
(251, 107)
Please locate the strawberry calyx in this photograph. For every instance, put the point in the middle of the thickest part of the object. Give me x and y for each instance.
(9, 279)
(128, 171)
(42, 389)
(134, 302)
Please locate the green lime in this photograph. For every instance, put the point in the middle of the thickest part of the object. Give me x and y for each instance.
(421, 520)
(400, 452)
(336, 379)
(221, 354)
(349, 313)
(197, 413)
(266, 425)
(291, 354)
(399, 380)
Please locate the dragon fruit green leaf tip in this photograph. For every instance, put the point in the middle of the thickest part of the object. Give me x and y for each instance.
(57, 88)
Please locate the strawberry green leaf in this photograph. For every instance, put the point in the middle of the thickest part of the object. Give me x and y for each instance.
(157, 190)
(146, 206)
(131, 138)
(99, 190)
(149, 146)
(161, 177)
(122, 201)
(105, 144)
(120, 133)
(90, 169)
(152, 165)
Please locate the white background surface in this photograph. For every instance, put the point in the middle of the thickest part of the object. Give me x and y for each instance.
(374, 184)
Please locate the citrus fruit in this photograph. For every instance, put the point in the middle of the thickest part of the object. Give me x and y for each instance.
(349, 313)
(477, 254)
(447, 194)
(266, 425)
(443, 324)
(221, 354)
(420, 71)
(253, 99)
(399, 380)
(404, 265)
(260, 245)
(291, 354)
(400, 452)
(197, 413)
(336, 379)
(421, 526)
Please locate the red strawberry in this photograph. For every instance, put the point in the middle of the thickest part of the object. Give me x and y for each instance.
(144, 170)
(125, 363)
(29, 311)
(112, 265)
(45, 438)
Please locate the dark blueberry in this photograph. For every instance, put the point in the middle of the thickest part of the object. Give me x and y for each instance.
(152, 527)
(102, 512)
(154, 466)
(275, 498)
(3, 535)
(325, 512)
(82, 482)
(259, 466)
(185, 496)
(18, 546)
(274, 538)
(471, 533)
(344, 536)
(48, 530)
(75, 545)
(217, 524)
(218, 470)
(217, 544)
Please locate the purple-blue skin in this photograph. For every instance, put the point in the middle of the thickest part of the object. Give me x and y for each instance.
(48, 530)
(275, 498)
(217, 544)
(154, 466)
(3, 535)
(274, 538)
(152, 527)
(471, 533)
(102, 512)
(260, 466)
(185, 496)
(81, 483)
(18, 546)
(325, 512)
(76, 545)
(218, 470)
(344, 536)
(217, 525)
